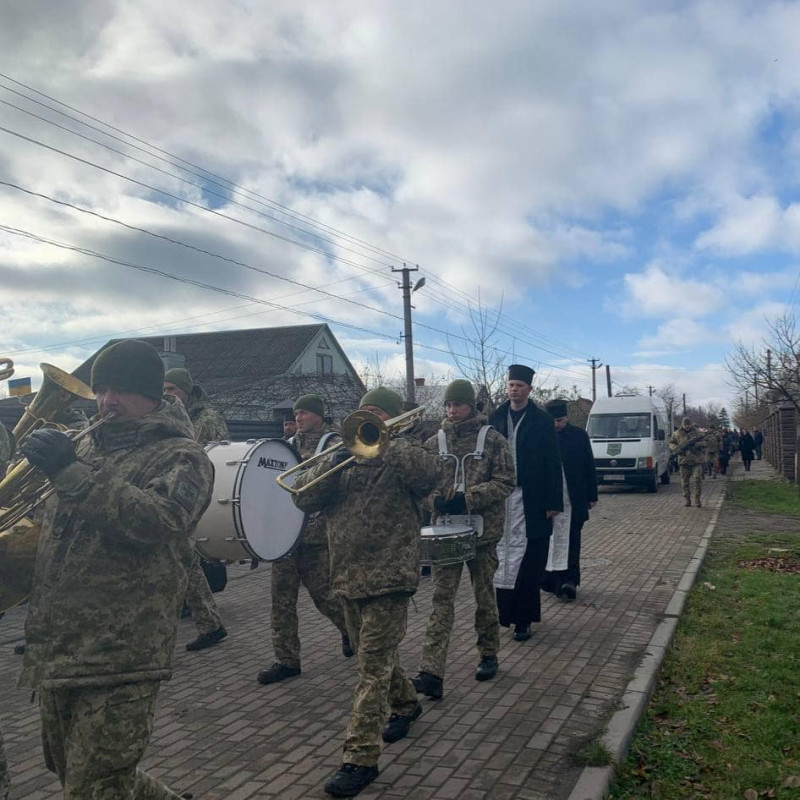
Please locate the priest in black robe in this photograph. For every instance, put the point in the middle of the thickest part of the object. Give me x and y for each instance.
(577, 460)
(530, 510)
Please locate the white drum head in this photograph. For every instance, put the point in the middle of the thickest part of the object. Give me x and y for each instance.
(266, 516)
(435, 531)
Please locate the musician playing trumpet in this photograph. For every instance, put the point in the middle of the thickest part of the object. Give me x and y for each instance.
(372, 511)
(476, 479)
(111, 573)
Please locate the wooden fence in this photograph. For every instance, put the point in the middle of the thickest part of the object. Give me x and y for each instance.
(780, 439)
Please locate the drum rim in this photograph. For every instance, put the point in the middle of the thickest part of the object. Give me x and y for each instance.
(238, 525)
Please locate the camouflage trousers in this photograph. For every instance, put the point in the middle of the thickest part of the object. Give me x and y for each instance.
(200, 600)
(691, 477)
(376, 627)
(440, 624)
(310, 565)
(5, 781)
(94, 737)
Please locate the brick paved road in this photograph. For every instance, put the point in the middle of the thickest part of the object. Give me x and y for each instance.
(220, 734)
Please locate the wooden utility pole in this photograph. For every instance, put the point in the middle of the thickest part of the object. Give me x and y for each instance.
(406, 287)
(595, 366)
(651, 389)
(684, 404)
(608, 380)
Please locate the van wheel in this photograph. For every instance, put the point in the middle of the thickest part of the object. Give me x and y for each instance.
(665, 478)
(652, 487)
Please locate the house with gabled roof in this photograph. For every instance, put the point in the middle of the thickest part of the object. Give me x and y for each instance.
(254, 375)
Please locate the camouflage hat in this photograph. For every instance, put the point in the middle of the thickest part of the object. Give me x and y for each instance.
(460, 391)
(181, 377)
(310, 402)
(384, 399)
(130, 366)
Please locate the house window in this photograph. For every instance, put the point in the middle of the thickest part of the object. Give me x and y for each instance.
(324, 364)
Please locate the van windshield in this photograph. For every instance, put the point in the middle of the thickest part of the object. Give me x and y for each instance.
(619, 426)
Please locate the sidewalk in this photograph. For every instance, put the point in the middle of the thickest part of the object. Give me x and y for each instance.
(219, 734)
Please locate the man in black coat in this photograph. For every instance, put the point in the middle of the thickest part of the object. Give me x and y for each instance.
(578, 462)
(530, 510)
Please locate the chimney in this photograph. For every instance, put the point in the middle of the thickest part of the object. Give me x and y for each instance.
(169, 354)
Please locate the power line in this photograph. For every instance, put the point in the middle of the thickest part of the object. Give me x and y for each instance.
(215, 179)
(202, 285)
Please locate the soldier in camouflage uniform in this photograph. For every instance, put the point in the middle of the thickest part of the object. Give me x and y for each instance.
(309, 563)
(373, 515)
(688, 443)
(209, 426)
(111, 572)
(712, 451)
(488, 481)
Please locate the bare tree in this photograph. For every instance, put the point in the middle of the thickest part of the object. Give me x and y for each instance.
(482, 363)
(771, 371)
(669, 394)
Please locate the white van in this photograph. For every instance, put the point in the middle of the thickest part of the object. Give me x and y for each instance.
(629, 436)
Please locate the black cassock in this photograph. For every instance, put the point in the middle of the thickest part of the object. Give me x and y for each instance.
(578, 462)
(539, 477)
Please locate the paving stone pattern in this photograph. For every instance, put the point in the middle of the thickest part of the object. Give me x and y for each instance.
(219, 734)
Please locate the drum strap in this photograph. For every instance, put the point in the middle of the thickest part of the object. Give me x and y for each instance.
(480, 445)
(325, 441)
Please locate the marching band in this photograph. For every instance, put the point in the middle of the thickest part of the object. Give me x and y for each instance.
(120, 515)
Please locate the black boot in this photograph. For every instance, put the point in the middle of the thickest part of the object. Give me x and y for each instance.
(522, 633)
(277, 672)
(347, 648)
(568, 592)
(430, 685)
(398, 726)
(207, 640)
(487, 669)
(350, 779)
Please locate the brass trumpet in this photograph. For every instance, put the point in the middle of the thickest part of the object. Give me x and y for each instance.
(6, 368)
(364, 434)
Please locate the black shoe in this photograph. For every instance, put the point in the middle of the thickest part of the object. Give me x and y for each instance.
(522, 633)
(568, 592)
(347, 648)
(276, 673)
(350, 779)
(397, 727)
(205, 640)
(19, 649)
(430, 685)
(487, 669)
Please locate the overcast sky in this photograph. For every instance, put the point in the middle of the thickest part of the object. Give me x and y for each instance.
(621, 175)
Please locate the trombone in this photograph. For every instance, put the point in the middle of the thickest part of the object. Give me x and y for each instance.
(364, 434)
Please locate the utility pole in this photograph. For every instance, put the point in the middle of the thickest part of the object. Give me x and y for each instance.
(406, 287)
(769, 368)
(684, 404)
(595, 366)
(608, 380)
(651, 389)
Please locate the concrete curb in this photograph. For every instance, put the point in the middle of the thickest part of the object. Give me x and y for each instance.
(594, 782)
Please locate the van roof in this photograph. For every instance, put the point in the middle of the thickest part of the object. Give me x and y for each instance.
(628, 404)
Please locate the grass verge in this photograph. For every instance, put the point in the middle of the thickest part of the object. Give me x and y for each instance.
(724, 721)
(776, 497)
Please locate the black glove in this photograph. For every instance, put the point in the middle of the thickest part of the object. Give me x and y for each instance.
(440, 504)
(48, 450)
(340, 456)
(457, 504)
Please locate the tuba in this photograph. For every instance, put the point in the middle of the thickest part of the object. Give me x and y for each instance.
(364, 434)
(23, 487)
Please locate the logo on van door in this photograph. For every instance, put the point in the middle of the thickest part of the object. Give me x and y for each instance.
(614, 449)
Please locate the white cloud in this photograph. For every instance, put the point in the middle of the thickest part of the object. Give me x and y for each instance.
(676, 334)
(655, 292)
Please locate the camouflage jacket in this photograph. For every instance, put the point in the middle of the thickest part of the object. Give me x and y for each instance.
(373, 518)
(209, 424)
(489, 481)
(116, 544)
(5, 449)
(314, 532)
(712, 445)
(689, 446)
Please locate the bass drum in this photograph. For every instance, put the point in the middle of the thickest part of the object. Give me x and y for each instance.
(250, 516)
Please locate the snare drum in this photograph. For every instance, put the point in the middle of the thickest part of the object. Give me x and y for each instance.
(250, 516)
(447, 544)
